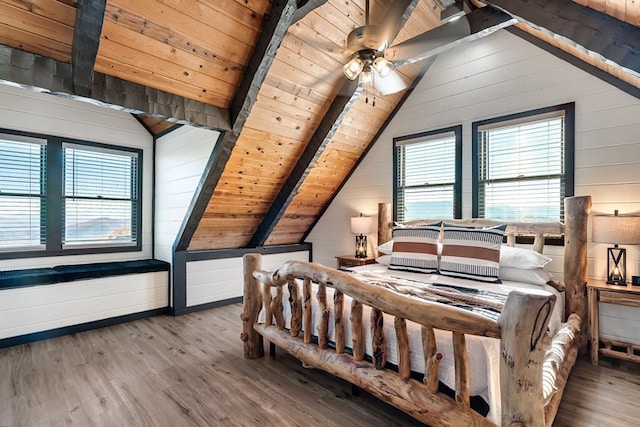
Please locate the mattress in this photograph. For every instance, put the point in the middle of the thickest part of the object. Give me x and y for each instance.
(483, 352)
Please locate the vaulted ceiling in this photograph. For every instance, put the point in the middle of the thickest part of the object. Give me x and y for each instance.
(268, 74)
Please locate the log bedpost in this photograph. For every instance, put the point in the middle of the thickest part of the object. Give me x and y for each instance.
(253, 343)
(523, 324)
(384, 222)
(576, 214)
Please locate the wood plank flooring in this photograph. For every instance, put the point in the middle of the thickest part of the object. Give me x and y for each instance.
(189, 371)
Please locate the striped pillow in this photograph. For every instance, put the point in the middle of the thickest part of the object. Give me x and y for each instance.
(471, 253)
(415, 248)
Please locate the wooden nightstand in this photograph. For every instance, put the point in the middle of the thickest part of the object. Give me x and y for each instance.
(600, 291)
(346, 261)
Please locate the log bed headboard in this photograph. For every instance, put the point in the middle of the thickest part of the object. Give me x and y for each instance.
(574, 229)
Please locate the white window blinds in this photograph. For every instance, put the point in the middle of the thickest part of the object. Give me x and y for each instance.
(425, 177)
(521, 169)
(22, 192)
(100, 196)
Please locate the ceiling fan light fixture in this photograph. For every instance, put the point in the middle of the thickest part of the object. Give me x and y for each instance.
(353, 68)
(382, 66)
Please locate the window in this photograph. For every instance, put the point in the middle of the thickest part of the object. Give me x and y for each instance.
(61, 196)
(523, 165)
(22, 192)
(427, 175)
(100, 195)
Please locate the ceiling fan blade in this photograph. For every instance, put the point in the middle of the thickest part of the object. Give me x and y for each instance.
(391, 84)
(474, 25)
(390, 21)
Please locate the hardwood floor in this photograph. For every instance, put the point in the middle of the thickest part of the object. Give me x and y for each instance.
(189, 370)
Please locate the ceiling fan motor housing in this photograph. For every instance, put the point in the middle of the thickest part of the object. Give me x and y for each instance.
(366, 38)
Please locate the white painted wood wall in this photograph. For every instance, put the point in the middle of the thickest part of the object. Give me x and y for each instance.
(221, 279)
(494, 76)
(181, 156)
(41, 308)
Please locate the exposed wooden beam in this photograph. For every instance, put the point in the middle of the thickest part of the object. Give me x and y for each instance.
(304, 7)
(312, 152)
(602, 36)
(274, 30)
(86, 39)
(40, 74)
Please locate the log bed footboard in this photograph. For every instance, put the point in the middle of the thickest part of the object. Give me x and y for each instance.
(534, 367)
(521, 329)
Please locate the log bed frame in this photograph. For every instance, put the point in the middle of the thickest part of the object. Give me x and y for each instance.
(532, 379)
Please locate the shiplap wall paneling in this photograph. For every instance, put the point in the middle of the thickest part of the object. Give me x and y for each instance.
(41, 308)
(28, 111)
(221, 279)
(181, 156)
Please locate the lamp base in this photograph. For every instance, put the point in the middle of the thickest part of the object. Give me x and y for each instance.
(361, 246)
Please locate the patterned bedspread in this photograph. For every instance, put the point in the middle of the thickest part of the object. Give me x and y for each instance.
(481, 301)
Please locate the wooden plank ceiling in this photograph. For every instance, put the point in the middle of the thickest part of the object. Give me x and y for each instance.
(294, 139)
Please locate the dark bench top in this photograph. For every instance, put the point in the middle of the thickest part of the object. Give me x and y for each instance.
(68, 273)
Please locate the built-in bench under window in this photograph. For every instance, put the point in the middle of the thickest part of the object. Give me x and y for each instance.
(69, 273)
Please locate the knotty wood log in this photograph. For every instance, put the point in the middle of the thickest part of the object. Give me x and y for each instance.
(402, 337)
(461, 363)
(306, 295)
(523, 322)
(538, 242)
(253, 343)
(338, 303)
(421, 311)
(431, 359)
(385, 222)
(296, 307)
(277, 308)
(378, 344)
(357, 330)
(408, 396)
(558, 362)
(323, 326)
(266, 299)
(576, 213)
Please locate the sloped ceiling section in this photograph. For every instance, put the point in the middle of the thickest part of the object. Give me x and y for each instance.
(267, 74)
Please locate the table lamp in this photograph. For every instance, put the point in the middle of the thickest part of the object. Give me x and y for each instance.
(361, 226)
(619, 230)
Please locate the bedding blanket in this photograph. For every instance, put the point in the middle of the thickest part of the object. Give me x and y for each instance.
(483, 352)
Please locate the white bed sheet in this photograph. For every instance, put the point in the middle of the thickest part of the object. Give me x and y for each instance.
(483, 352)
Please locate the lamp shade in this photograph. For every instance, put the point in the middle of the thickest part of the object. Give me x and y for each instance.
(361, 224)
(616, 229)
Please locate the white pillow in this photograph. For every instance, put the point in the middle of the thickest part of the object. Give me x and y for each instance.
(386, 248)
(511, 256)
(535, 276)
(384, 259)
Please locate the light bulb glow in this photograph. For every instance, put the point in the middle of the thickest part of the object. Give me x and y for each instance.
(353, 68)
(382, 66)
(366, 77)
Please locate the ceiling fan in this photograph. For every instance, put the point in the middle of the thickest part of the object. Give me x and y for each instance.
(374, 60)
